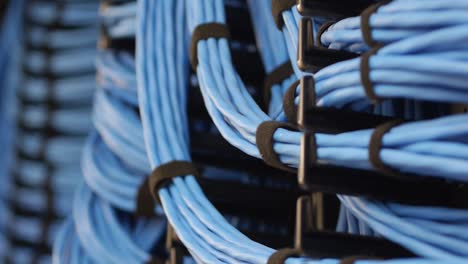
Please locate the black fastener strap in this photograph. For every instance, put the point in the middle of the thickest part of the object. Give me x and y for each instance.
(365, 23)
(375, 146)
(365, 75)
(280, 256)
(145, 203)
(353, 259)
(278, 7)
(204, 32)
(264, 141)
(289, 105)
(320, 32)
(161, 176)
(277, 76)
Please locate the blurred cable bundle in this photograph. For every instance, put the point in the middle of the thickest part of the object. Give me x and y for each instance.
(11, 21)
(53, 117)
(345, 152)
(239, 131)
(103, 227)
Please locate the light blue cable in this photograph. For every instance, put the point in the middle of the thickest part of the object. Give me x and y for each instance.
(197, 223)
(220, 125)
(114, 165)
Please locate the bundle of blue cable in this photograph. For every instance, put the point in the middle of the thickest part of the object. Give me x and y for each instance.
(435, 147)
(273, 51)
(104, 226)
(114, 161)
(161, 81)
(53, 118)
(10, 47)
(417, 54)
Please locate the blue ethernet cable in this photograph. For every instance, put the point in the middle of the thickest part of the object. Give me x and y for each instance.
(287, 137)
(206, 254)
(334, 86)
(199, 240)
(273, 51)
(395, 21)
(340, 79)
(243, 120)
(112, 176)
(168, 142)
(119, 19)
(206, 234)
(447, 17)
(273, 48)
(103, 228)
(101, 246)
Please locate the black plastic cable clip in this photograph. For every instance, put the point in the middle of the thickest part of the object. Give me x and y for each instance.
(312, 56)
(329, 119)
(175, 248)
(383, 183)
(315, 242)
(176, 255)
(332, 8)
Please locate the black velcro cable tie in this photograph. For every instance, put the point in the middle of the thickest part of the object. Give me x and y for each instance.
(365, 75)
(264, 141)
(165, 172)
(365, 23)
(204, 32)
(289, 105)
(353, 259)
(145, 203)
(325, 26)
(375, 146)
(277, 76)
(281, 255)
(277, 9)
